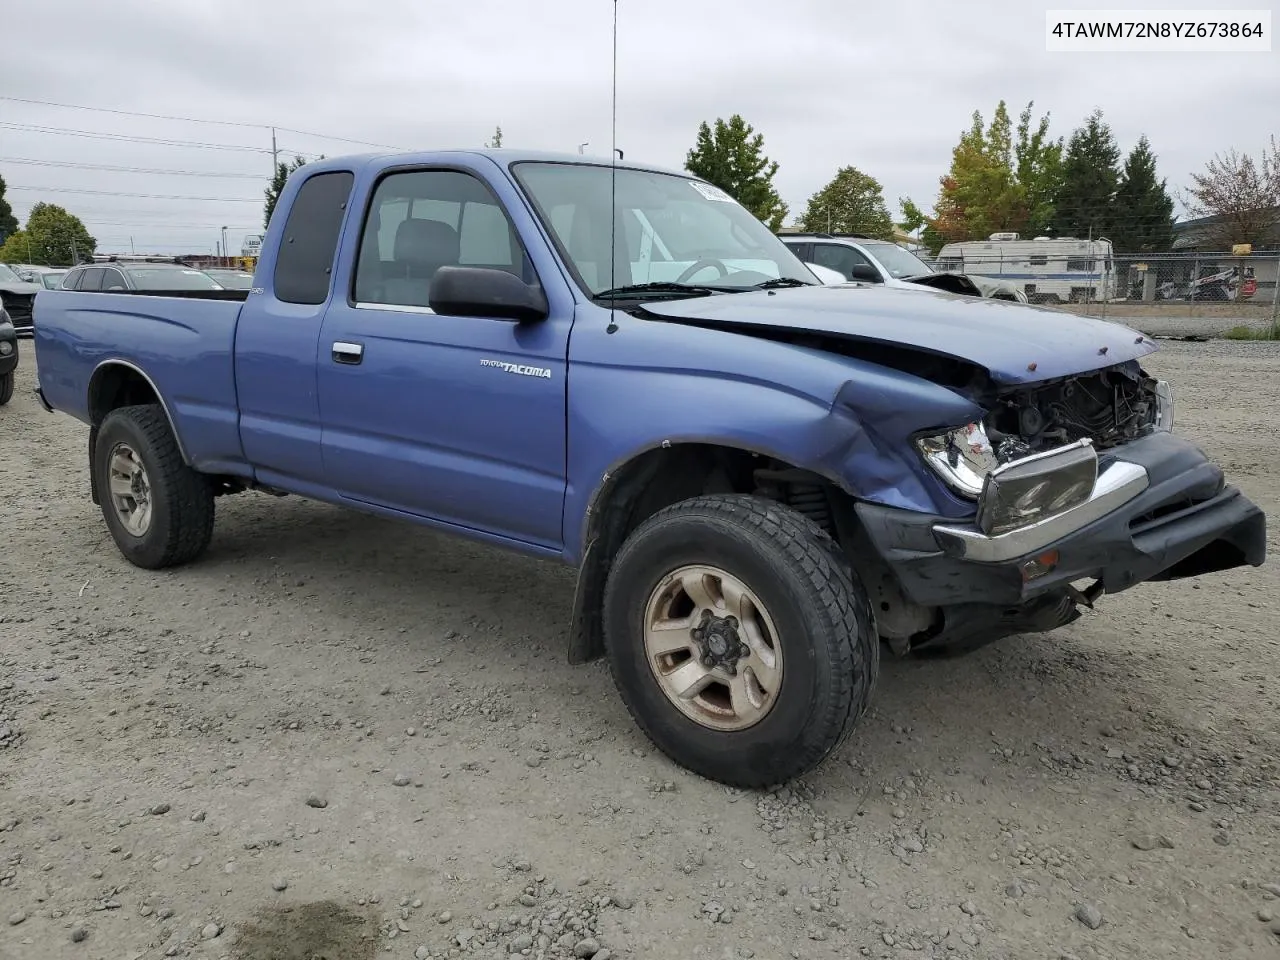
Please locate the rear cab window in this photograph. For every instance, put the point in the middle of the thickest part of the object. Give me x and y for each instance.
(309, 243)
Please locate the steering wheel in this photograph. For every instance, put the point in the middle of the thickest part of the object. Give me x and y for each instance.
(702, 264)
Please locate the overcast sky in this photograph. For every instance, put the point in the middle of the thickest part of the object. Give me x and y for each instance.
(885, 86)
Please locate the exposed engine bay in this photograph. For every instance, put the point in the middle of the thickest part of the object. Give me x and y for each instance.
(1111, 406)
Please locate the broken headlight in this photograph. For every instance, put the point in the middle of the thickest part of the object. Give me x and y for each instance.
(962, 457)
(1037, 487)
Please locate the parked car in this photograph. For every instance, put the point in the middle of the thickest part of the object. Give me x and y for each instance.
(18, 295)
(231, 279)
(856, 257)
(759, 478)
(134, 276)
(52, 279)
(8, 355)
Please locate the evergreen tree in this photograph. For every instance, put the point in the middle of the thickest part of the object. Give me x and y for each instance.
(731, 156)
(1143, 209)
(1090, 177)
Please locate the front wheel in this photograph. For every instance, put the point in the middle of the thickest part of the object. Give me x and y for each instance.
(6, 387)
(740, 642)
(159, 510)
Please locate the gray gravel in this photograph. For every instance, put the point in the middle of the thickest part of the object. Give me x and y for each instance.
(979, 809)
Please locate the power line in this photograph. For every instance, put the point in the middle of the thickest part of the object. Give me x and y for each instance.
(145, 196)
(115, 169)
(93, 134)
(224, 123)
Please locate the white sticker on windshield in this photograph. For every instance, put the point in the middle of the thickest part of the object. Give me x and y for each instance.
(711, 193)
(191, 273)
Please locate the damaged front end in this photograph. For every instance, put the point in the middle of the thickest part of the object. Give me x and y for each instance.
(1079, 488)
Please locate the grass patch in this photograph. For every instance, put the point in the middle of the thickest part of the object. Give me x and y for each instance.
(1253, 333)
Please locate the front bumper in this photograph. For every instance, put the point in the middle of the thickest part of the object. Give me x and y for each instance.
(1160, 511)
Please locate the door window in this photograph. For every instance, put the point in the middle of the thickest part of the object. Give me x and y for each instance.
(422, 220)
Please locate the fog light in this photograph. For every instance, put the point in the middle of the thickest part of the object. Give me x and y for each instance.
(1037, 567)
(6, 348)
(1037, 487)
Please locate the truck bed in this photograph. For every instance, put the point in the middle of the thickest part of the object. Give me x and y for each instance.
(183, 341)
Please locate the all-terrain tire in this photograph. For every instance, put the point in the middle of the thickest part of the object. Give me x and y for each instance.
(182, 510)
(825, 627)
(6, 387)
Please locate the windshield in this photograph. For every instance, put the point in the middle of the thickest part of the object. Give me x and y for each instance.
(899, 262)
(7, 274)
(670, 229)
(168, 279)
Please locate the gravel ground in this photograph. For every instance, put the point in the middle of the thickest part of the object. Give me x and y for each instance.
(338, 737)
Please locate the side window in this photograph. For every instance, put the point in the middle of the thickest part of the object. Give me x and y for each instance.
(113, 280)
(304, 264)
(91, 279)
(1039, 260)
(422, 220)
(1082, 265)
(72, 280)
(838, 257)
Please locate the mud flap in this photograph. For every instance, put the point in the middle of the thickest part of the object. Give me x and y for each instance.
(93, 474)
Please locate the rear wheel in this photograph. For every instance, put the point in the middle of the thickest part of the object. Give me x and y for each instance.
(159, 510)
(6, 387)
(739, 641)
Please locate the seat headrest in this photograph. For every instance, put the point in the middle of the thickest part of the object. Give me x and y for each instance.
(426, 241)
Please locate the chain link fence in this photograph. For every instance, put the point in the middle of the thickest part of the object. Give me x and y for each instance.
(1217, 290)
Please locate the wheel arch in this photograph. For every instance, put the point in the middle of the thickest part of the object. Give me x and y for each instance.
(638, 487)
(117, 383)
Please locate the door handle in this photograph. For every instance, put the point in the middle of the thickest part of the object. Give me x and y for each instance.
(344, 352)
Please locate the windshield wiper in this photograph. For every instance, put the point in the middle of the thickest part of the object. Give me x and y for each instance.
(782, 282)
(657, 287)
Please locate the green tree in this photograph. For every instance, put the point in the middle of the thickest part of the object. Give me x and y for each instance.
(1090, 177)
(995, 182)
(495, 142)
(8, 222)
(1037, 160)
(1242, 195)
(1143, 219)
(276, 186)
(853, 202)
(52, 237)
(731, 156)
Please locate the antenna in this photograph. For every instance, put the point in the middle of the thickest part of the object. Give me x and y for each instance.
(613, 181)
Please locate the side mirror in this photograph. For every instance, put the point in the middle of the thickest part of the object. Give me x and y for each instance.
(865, 273)
(486, 292)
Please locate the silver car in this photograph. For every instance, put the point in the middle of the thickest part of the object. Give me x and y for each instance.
(866, 260)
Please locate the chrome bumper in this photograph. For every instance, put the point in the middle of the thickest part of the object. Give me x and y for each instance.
(1119, 483)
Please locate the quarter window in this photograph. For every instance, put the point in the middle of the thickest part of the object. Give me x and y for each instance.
(304, 263)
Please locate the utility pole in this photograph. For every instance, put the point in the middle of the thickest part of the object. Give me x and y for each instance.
(132, 248)
(226, 250)
(275, 154)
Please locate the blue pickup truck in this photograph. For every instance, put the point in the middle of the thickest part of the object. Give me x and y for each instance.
(761, 480)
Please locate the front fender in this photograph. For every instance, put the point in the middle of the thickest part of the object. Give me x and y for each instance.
(655, 384)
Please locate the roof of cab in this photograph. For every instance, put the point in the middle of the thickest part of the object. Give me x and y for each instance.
(501, 156)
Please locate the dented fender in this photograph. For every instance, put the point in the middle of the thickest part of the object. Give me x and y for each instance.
(847, 420)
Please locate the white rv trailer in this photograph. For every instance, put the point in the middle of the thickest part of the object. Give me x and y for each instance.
(1060, 270)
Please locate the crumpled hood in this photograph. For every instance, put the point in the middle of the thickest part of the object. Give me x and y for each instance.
(1014, 342)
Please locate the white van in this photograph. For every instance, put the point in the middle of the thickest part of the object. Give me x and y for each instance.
(1061, 270)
